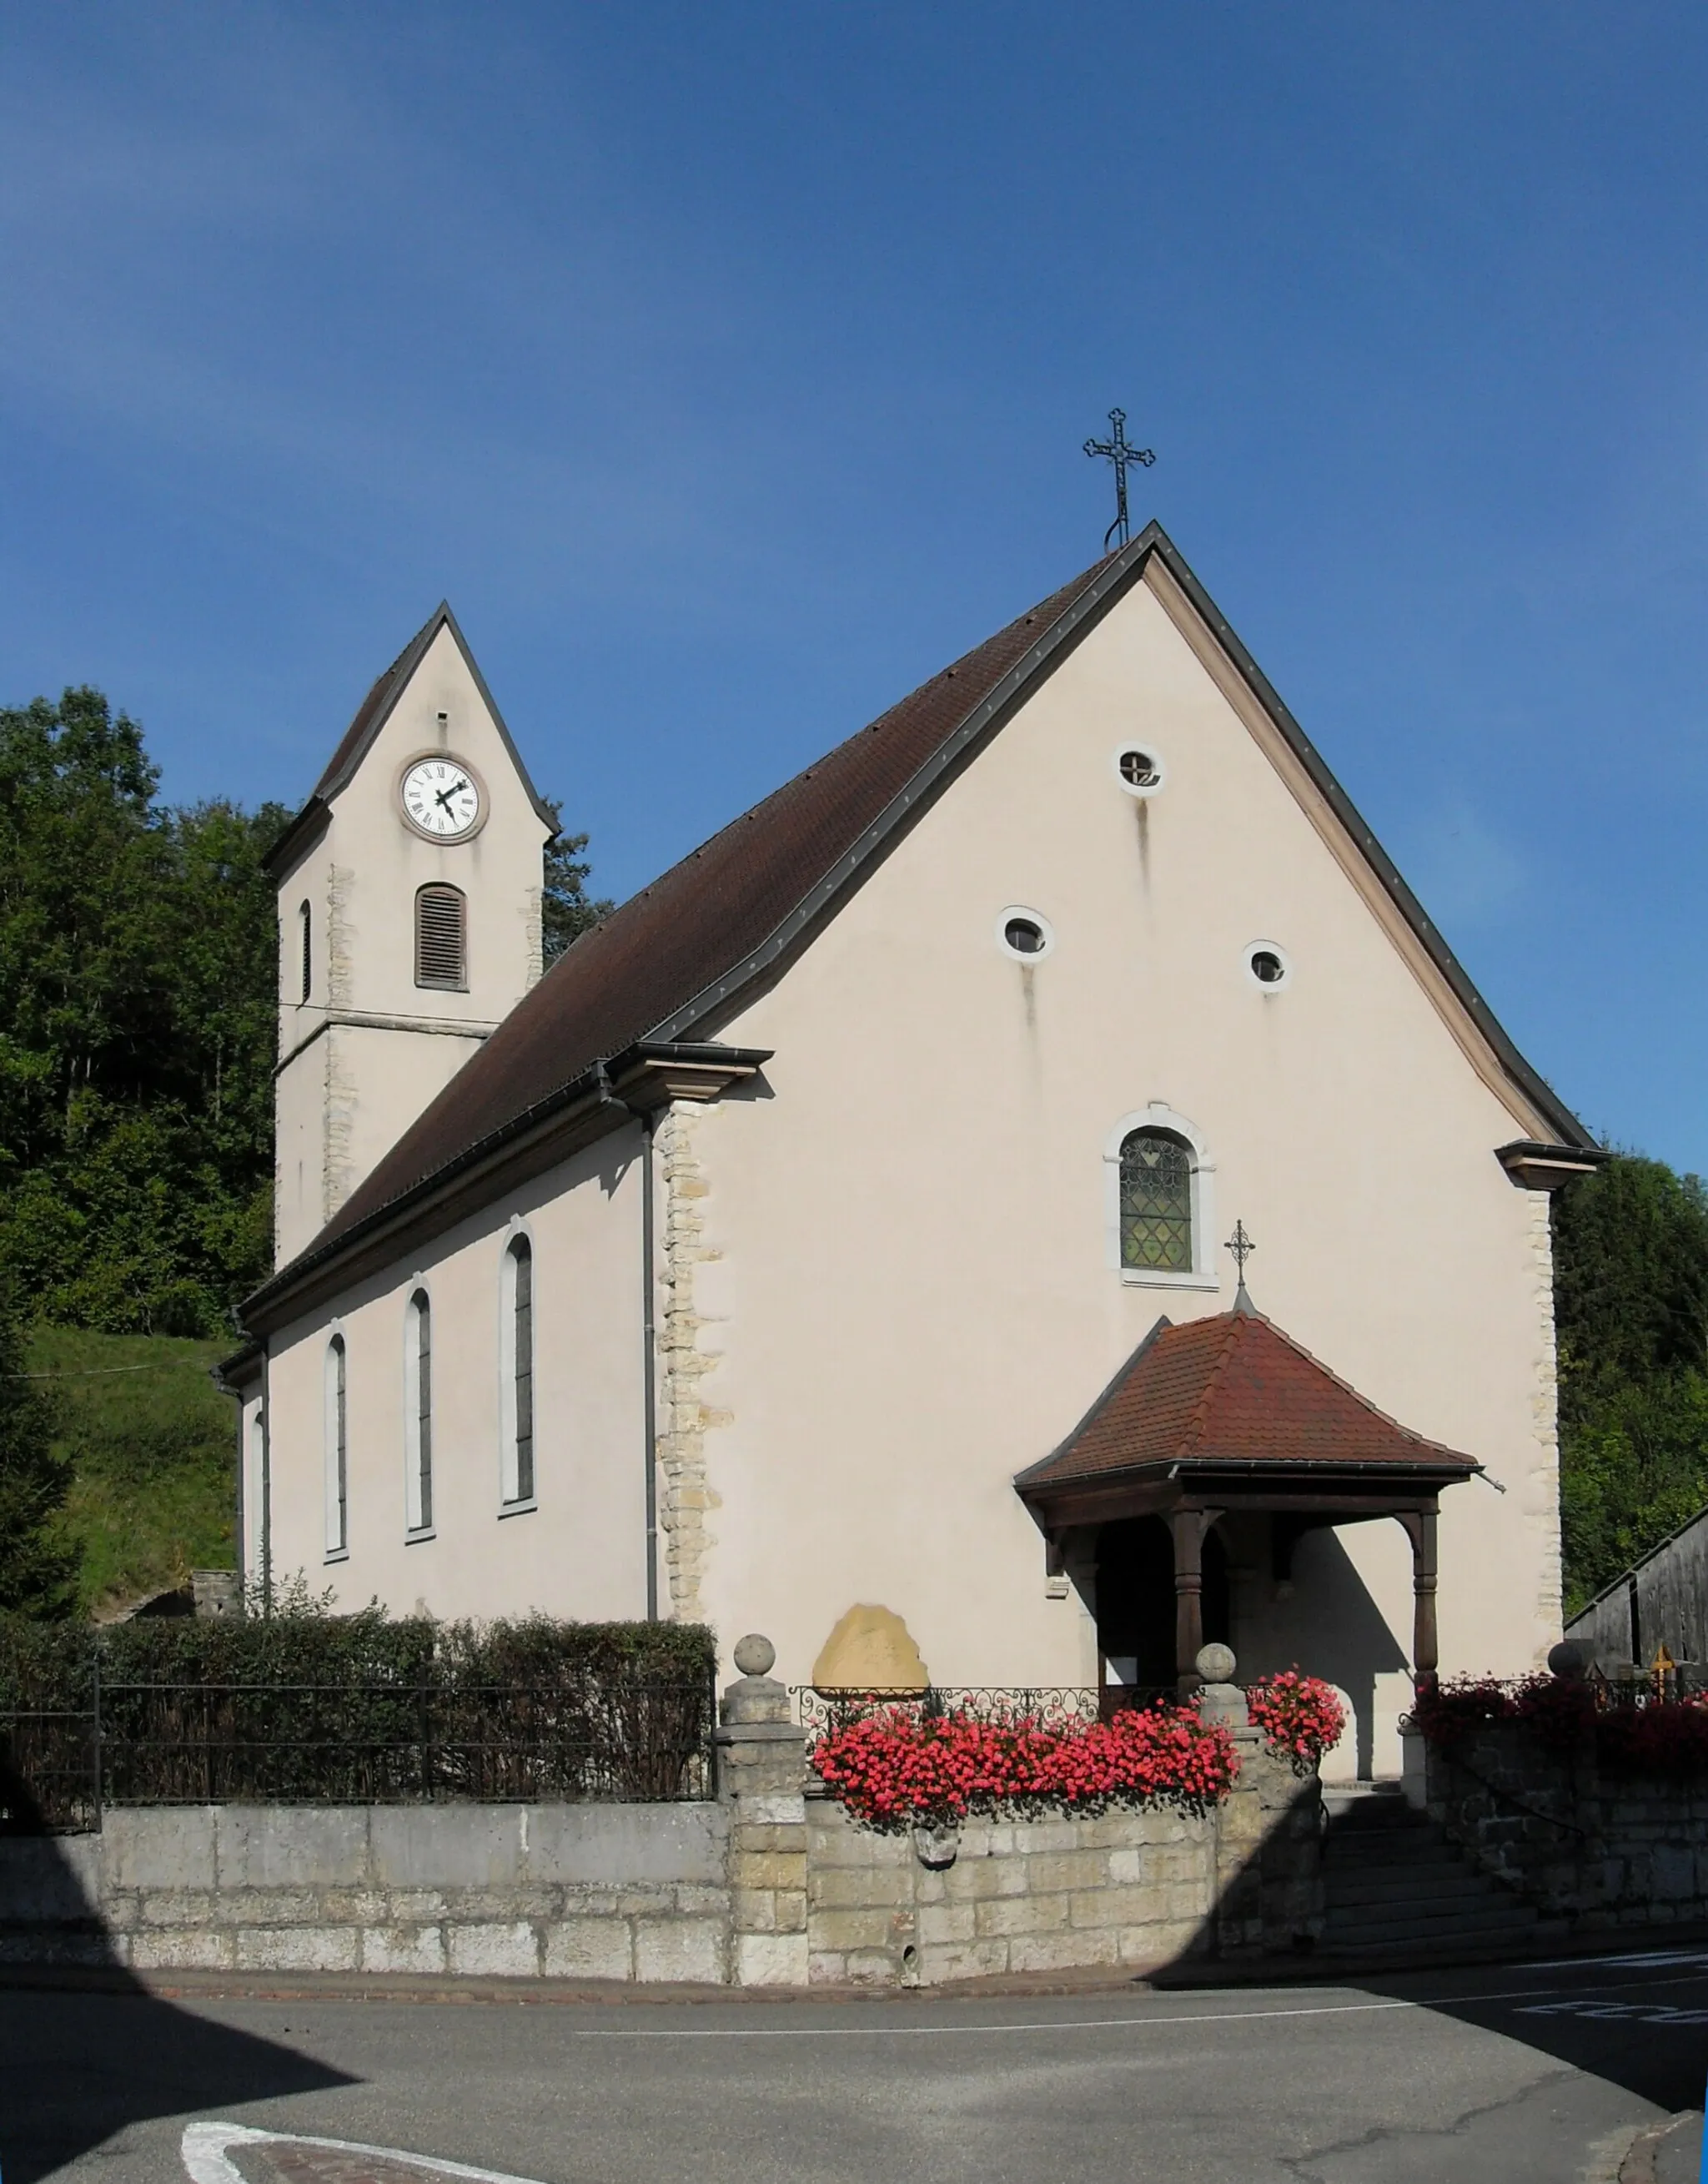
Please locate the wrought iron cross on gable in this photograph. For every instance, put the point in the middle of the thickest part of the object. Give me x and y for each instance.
(1119, 450)
(1242, 1247)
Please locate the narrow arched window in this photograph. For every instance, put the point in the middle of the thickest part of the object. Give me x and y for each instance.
(418, 1413)
(1156, 1201)
(337, 1447)
(517, 1407)
(442, 938)
(305, 917)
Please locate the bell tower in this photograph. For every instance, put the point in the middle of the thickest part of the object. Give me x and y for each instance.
(409, 892)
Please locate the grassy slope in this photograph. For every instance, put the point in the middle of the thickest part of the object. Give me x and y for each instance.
(154, 1453)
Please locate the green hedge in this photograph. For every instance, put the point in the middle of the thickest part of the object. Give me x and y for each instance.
(356, 1708)
(45, 1663)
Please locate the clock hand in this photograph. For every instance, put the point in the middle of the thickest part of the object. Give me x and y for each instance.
(445, 795)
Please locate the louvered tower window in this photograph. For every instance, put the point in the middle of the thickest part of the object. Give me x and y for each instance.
(1155, 1202)
(442, 938)
(305, 921)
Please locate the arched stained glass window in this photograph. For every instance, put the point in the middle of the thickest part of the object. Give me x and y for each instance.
(1155, 1202)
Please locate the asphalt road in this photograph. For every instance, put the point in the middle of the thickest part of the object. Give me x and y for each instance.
(1514, 2075)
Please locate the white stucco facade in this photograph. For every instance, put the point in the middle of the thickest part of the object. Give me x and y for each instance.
(362, 1048)
(885, 1275)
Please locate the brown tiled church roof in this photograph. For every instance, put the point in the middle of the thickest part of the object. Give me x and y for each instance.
(1232, 1389)
(673, 963)
(670, 943)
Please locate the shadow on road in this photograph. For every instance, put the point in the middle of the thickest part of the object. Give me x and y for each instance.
(85, 2051)
(1642, 2025)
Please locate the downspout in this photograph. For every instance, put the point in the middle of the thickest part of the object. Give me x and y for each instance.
(241, 1497)
(266, 1482)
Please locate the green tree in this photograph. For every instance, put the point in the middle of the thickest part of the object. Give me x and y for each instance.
(566, 910)
(1631, 1309)
(137, 949)
(37, 1570)
(138, 1014)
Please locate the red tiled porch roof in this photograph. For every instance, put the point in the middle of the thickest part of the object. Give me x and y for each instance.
(1234, 1390)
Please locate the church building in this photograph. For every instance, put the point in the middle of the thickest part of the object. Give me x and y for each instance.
(847, 1237)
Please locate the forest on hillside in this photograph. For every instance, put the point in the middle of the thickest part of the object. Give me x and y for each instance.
(138, 1010)
(138, 980)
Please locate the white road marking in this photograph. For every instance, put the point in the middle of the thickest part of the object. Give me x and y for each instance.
(1622, 1963)
(1630, 2012)
(979, 2031)
(207, 2160)
(1425, 2003)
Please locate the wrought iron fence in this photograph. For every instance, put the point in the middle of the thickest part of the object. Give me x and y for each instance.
(1667, 1683)
(1630, 1686)
(623, 1739)
(1041, 1707)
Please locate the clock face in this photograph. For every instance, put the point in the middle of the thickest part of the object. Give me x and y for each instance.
(441, 798)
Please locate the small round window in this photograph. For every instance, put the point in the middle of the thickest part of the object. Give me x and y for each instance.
(1139, 769)
(1268, 965)
(1025, 933)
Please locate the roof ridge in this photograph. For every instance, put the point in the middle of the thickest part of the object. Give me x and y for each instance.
(870, 728)
(1198, 1418)
(1108, 1393)
(1346, 1387)
(692, 946)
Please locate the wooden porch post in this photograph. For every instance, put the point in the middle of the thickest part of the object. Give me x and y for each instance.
(1420, 1529)
(1188, 1527)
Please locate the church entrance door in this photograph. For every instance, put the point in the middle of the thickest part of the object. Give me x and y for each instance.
(1137, 1602)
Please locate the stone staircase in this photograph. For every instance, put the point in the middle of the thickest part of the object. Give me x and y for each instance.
(1394, 1884)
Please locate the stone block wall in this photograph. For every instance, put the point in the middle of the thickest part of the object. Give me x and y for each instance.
(1603, 1852)
(1135, 1889)
(1129, 1889)
(766, 1887)
(577, 1891)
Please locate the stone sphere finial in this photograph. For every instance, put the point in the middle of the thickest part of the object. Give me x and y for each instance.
(754, 1654)
(1216, 1663)
(1567, 1660)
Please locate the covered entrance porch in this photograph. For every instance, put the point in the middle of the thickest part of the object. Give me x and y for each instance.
(1225, 1430)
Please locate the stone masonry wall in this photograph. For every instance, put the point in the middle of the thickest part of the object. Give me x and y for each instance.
(766, 1887)
(1022, 1896)
(575, 1891)
(684, 1362)
(1603, 1853)
(1135, 1889)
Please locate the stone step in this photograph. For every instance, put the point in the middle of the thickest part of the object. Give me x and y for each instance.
(1421, 1857)
(1372, 1818)
(1395, 1886)
(1383, 1842)
(1486, 1925)
(1442, 1884)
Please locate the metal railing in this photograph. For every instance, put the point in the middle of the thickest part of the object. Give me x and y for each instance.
(612, 1738)
(1042, 1706)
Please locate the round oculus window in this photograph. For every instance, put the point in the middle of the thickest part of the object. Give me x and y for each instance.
(1267, 966)
(1025, 934)
(1139, 769)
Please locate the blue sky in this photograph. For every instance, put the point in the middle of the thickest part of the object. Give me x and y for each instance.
(728, 367)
